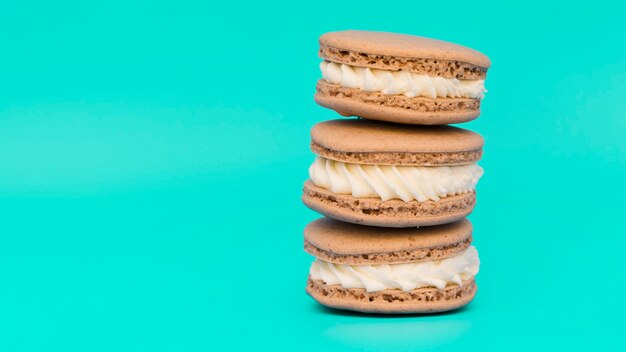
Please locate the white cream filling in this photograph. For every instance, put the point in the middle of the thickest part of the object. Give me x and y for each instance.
(394, 182)
(406, 277)
(401, 82)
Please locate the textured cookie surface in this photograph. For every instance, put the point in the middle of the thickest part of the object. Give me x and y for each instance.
(390, 51)
(421, 300)
(343, 243)
(396, 108)
(391, 213)
(381, 143)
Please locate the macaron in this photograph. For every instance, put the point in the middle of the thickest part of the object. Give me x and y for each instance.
(400, 78)
(384, 174)
(391, 270)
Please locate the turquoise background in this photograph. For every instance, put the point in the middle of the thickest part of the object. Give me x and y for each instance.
(152, 155)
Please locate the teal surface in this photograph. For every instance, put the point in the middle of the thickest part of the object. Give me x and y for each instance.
(152, 156)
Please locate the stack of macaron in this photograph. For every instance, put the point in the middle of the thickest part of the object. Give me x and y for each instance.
(394, 182)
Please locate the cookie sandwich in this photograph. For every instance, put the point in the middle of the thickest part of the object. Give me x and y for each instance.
(400, 78)
(391, 270)
(384, 174)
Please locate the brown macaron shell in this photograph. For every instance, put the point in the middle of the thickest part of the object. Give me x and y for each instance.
(343, 243)
(420, 300)
(390, 213)
(395, 108)
(392, 51)
(382, 143)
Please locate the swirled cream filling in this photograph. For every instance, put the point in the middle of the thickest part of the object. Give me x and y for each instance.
(401, 82)
(406, 277)
(407, 183)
